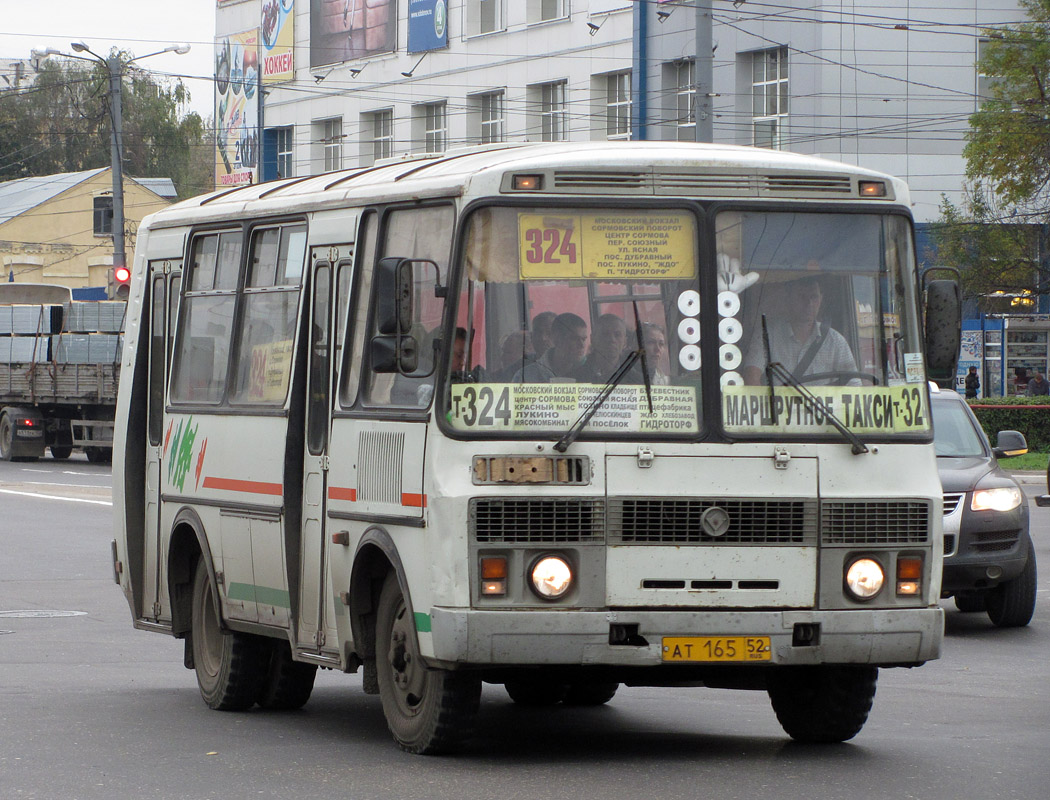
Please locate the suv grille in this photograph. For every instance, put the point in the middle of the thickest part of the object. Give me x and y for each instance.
(993, 541)
(547, 520)
(952, 501)
(875, 522)
(677, 521)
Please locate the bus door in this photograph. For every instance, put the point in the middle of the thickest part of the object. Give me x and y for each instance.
(165, 277)
(315, 596)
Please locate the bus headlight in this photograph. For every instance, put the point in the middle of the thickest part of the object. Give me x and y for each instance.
(551, 577)
(1005, 498)
(864, 578)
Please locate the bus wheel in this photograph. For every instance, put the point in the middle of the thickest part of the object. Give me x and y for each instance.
(427, 710)
(822, 704)
(288, 684)
(536, 693)
(590, 694)
(227, 664)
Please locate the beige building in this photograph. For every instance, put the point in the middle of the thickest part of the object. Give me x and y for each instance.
(59, 228)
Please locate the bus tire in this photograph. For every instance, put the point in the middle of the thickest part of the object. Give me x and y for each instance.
(822, 704)
(288, 683)
(536, 693)
(590, 694)
(427, 710)
(227, 664)
(1011, 604)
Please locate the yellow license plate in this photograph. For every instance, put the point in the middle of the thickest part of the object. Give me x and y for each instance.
(716, 648)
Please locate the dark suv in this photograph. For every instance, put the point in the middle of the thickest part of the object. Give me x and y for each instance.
(989, 561)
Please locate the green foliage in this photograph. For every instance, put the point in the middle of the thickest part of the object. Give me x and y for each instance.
(1016, 414)
(1008, 144)
(62, 124)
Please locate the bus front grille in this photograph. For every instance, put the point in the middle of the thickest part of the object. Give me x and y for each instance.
(875, 522)
(671, 520)
(546, 520)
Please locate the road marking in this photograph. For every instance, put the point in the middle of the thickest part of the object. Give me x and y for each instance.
(56, 497)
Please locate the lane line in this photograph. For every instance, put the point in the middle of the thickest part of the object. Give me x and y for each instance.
(56, 497)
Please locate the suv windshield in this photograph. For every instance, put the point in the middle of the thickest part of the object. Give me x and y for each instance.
(954, 433)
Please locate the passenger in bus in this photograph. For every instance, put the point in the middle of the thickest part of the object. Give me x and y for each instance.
(541, 331)
(564, 358)
(516, 352)
(799, 341)
(654, 340)
(608, 347)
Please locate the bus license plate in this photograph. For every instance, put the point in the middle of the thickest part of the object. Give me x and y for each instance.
(716, 648)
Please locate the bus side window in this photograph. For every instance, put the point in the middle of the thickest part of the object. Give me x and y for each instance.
(353, 352)
(417, 233)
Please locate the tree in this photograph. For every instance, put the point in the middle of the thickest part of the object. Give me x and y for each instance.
(61, 124)
(1008, 145)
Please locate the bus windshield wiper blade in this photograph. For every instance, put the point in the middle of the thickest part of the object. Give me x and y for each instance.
(614, 380)
(812, 402)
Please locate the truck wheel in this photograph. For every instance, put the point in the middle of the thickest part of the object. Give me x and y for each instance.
(590, 694)
(228, 665)
(969, 602)
(822, 704)
(7, 438)
(61, 452)
(98, 455)
(427, 710)
(536, 693)
(1012, 603)
(288, 683)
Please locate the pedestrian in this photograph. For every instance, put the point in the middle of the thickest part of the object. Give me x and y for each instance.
(973, 383)
(1038, 386)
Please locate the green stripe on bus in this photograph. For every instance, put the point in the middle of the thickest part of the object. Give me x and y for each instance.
(250, 593)
(422, 622)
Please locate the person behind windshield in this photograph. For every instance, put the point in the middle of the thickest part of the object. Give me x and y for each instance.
(608, 347)
(799, 341)
(655, 342)
(564, 358)
(515, 353)
(541, 331)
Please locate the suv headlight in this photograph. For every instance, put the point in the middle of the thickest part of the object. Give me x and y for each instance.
(1004, 498)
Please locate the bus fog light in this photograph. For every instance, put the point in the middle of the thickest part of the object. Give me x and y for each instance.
(493, 570)
(864, 578)
(908, 588)
(551, 577)
(909, 575)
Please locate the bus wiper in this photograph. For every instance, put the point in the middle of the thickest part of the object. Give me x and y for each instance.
(812, 404)
(615, 380)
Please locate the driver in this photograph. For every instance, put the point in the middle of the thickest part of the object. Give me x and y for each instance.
(799, 341)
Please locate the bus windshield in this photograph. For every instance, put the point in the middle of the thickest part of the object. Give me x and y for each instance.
(553, 301)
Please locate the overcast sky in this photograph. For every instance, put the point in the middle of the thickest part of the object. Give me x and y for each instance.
(141, 26)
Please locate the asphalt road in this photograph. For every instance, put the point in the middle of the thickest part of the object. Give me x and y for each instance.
(91, 708)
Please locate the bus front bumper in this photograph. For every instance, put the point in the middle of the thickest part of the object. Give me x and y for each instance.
(522, 638)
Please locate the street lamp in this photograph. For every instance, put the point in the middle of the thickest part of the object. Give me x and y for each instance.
(114, 69)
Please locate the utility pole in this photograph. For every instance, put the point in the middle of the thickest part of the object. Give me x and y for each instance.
(116, 158)
(705, 59)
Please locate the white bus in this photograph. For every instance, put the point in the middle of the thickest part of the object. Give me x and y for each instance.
(561, 417)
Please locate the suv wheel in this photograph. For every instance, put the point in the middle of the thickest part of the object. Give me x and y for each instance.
(1012, 603)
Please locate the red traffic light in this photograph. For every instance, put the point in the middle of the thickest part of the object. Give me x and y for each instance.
(122, 274)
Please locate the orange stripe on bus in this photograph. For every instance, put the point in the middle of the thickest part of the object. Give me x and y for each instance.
(339, 493)
(248, 487)
(414, 500)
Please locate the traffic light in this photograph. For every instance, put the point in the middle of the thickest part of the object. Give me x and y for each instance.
(119, 283)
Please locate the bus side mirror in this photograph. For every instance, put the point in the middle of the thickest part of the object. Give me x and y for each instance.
(394, 296)
(943, 330)
(394, 354)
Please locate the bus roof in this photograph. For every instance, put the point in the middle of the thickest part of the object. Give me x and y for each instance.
(625, 168)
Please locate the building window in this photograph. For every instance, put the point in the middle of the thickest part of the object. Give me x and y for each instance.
(435, 127)
(332, 142)
(283, 142)
(102, 222)
(484, 17)
(491, 117)
(769, 97)
(543, 10)
(553, 122)
(382, 134)
(685, 90)
(985, 82)
(618, 105)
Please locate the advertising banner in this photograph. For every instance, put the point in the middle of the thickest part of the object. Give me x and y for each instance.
(427, 25)
(343, 30)
(277, 28)
(237, 109)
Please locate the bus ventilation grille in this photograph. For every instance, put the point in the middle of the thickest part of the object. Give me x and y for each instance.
(545, 521)
(875, 522)
(667, 520)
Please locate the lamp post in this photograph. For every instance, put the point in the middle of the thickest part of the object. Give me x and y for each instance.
(114, 68)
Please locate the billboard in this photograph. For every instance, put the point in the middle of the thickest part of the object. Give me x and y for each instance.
(427, 25)
(277, 31)
(344, 30)
(237, 109)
